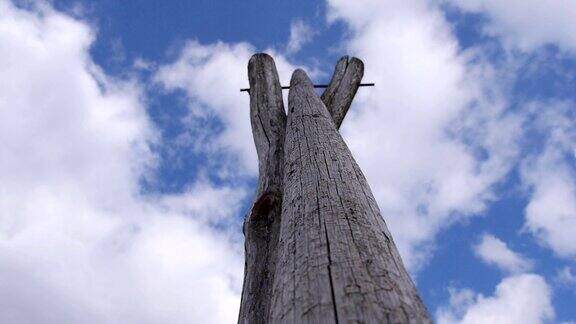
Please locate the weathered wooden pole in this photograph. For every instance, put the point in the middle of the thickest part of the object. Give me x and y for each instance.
(326, 256)
(262, 224)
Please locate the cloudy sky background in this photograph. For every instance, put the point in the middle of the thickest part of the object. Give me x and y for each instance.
(127, 162)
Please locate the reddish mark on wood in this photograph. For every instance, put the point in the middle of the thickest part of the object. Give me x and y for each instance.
(263, 204)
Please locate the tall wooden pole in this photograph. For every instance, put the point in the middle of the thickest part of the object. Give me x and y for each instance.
(317, 247)
(262, 225)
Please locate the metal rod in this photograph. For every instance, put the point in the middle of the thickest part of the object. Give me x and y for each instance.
(317, 86)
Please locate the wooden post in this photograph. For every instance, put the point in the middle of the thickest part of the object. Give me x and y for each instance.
(345, 82)
(262, 225)
(327, 255)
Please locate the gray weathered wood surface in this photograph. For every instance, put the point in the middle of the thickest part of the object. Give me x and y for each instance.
(343, 87)
(268, 119)
(326, 256)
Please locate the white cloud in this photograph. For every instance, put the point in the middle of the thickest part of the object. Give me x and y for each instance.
(142, 64)
(550, 176)
(78, 241)
(212, 76)
(493, 251)
(432, 136)
(522, 299)
(300, 34)
(527, 24)
(566, 277)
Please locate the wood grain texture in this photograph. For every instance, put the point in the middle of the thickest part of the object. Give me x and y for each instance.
(337, 262)
(343, 87)
(261, 227)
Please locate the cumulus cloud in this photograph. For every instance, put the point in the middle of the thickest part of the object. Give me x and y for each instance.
(566, 277)
(527, 24)
(547, 171)
(300, 34)
(549, 175)
(429, 137)
(522, 299)
(495, 252)
(212, 75)
(79, 242)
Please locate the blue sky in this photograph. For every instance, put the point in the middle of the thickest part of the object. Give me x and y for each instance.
(128, 163)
